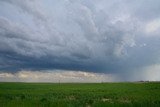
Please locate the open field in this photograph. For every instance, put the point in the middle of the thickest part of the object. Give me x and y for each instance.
(79, 95)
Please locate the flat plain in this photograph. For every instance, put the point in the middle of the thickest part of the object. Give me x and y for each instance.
(124, 94)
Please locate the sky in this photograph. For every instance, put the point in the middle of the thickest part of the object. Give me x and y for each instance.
(79, 40)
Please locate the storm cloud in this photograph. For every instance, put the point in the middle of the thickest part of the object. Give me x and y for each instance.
(119, 37)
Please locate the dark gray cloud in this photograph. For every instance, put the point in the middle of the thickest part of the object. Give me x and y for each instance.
(113, 36)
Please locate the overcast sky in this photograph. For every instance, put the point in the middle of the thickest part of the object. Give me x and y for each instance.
(116, 38)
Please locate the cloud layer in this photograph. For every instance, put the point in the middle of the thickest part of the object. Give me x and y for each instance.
(56, 76)
(113, 36)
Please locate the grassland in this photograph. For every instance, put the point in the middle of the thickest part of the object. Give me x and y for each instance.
(80, 95)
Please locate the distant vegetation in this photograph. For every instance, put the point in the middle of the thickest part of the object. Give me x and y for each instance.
(80, 95)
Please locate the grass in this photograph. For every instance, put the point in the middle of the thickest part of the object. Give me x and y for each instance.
(80, 94)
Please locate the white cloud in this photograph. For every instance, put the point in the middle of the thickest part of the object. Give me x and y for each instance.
(56, 76)
(153, 26)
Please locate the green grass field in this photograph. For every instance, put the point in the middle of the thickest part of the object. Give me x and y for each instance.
(79, 95)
